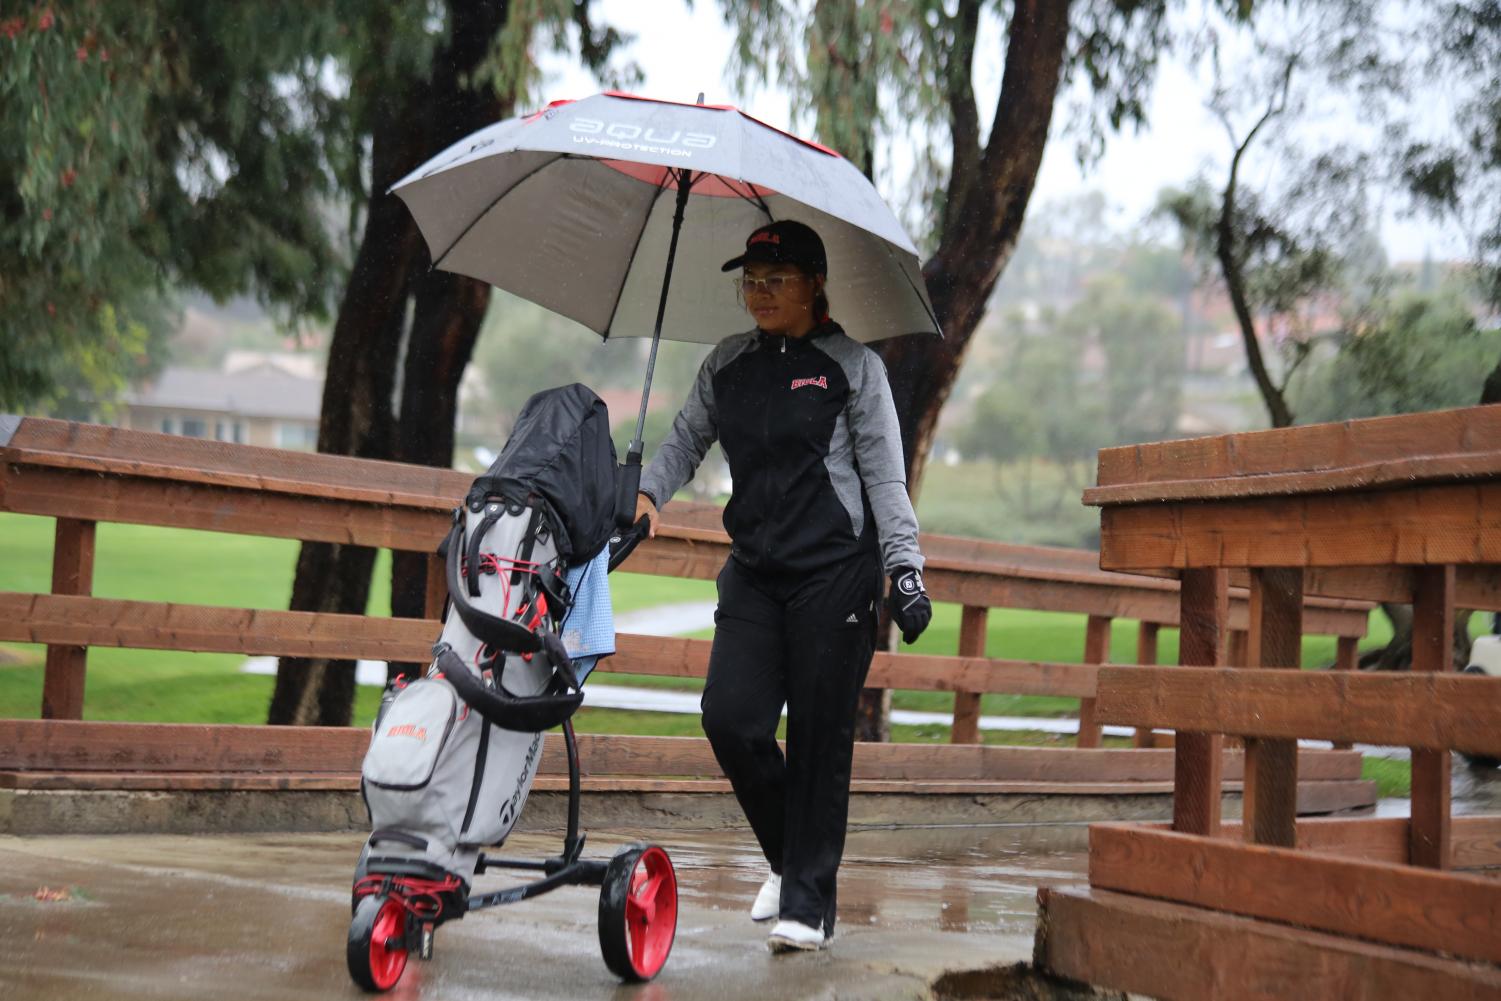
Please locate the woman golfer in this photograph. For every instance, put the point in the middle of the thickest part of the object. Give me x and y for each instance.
(819, 510)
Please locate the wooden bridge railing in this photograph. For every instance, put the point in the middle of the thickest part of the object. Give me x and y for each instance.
(84, 474)
(1405, 508)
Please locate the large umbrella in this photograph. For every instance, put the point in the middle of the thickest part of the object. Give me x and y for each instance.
(584, 206)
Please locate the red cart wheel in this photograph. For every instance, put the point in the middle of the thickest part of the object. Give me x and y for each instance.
(638, 912)
(377, 951)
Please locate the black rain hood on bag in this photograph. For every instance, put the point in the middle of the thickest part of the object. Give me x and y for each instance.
(560, 450)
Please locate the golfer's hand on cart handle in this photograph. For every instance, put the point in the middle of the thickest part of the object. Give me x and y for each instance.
(910, 607)
(644, 506)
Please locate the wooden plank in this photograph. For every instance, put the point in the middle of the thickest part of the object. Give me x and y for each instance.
(1197, 751)
(40, 618)
(1016, 677)
(1417, 469)
(100, 449)
(1476, 840)
(183, 781)
(29, 618)
(1319, 448)
(139, 501)
(1429, 525)
(686, 658)
(1096, 651)
(1275, 639)
(1155, 949)
(553, 776)
(68, 746)
(1429, 711)
(67, 663)
(972, 635)
(1398, 905)
(1432, 655)
(1477, 587)
(1146, 654)
(1333, 797)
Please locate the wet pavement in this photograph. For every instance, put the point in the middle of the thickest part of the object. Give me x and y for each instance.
(265, 917)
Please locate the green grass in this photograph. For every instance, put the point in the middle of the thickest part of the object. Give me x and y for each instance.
(1393, 777)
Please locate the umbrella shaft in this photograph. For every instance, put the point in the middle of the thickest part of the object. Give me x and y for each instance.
(684, 183)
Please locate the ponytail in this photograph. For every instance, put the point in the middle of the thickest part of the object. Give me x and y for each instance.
(820, 302)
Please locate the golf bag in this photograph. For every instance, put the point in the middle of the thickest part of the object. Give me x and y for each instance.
(453, 754)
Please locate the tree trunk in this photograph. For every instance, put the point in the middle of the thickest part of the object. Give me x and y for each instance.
(1491, 393)
(355, 420)
(987, 200)
(389, 272)
(988, 194)
(1397, 654)
(450, 310)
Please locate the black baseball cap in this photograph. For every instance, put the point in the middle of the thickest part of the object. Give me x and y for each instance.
(785, 242)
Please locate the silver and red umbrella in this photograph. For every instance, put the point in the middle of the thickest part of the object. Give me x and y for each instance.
(584, 206)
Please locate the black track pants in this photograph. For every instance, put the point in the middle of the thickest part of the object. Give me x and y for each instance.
(806, 643)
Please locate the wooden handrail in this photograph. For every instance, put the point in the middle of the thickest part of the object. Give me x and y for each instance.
(112, 475)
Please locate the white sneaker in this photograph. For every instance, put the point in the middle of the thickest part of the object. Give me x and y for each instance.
(790, 936)
(769, 900)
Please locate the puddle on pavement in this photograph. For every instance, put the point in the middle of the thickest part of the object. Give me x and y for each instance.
(941, 878)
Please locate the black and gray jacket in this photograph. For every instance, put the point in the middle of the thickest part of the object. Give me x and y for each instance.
(815, 453)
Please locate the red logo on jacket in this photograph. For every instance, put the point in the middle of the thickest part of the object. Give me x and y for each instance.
(821, 382)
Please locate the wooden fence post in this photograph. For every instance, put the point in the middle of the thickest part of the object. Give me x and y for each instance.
(1204, 600)
(1146, 655)
(1275, 638)
(72, 573)
(1096, 651)
(1346, 658)
(1237, 651)
(1432, 643)
(972, 623)
(436, 594)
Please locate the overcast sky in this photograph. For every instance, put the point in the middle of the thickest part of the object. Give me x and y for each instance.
(683, 51)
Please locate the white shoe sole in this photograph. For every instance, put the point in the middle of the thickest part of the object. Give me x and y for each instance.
(779, 945)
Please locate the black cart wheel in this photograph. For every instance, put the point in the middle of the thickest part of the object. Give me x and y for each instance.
(638, 912)
(377, 950)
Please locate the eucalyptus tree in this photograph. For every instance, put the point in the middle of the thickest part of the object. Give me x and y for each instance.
(147, 148)
(425, 75)
(878, 76)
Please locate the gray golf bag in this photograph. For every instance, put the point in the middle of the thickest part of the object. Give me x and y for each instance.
(453, 753)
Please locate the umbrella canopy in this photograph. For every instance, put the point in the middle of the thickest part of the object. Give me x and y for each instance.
(573, 208)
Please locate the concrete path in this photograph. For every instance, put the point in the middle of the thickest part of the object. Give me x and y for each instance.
(265, 917)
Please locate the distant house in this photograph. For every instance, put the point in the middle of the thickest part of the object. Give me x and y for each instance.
(263, 401)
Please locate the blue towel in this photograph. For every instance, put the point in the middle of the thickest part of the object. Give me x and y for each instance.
(589, 626)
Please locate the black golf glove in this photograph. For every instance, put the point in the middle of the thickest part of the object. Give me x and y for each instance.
(910, 607)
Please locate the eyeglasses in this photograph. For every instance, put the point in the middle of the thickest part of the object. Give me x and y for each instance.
(771, 284)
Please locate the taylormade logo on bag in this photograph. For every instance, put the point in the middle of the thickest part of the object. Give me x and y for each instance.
(822, 382)
(623, 135)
